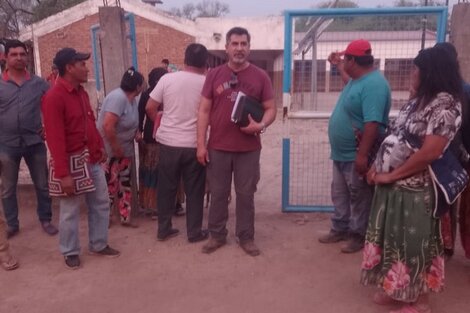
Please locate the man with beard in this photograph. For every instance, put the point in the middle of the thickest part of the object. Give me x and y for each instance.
(233, 150)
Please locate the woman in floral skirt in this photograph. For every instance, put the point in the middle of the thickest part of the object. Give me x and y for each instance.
(403, 253)
(148, 150)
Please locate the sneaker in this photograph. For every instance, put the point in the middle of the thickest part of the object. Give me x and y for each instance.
(72, 262)
(12, 231)
(50, 229)
(213, 245)
(250, 248)
(170, 234)
(333, 236)
(354, 244)
(107, 251)
(203, 235)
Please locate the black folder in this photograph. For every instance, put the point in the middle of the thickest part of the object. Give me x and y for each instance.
(245, 105)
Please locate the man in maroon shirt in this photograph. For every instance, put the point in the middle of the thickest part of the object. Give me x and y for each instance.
(70, 128)
(233, 150)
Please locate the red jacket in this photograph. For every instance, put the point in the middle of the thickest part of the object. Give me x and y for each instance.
(70, 125)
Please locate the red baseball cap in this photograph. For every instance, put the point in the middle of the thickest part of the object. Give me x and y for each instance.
(358, 48)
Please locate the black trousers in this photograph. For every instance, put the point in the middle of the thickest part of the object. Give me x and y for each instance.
(176, 163)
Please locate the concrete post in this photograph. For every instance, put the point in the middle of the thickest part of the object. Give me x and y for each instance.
(114, 51)
(115, 60)
(460, 36)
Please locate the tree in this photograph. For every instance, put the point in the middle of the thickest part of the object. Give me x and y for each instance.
(303, 23)
(187, 11)
(206, 8)
(14, 14)
(377, 23)
(46, 8)
(340, 4)
(411, 3)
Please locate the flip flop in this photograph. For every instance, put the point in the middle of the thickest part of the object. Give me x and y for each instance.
(9, 263)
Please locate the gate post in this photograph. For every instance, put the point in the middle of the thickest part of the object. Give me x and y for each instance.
(460, 36)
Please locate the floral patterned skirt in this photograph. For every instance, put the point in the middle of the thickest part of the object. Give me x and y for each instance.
(148, 175)
(403, 253)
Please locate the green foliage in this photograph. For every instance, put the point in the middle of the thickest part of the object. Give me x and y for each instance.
(378, 23)
(303, 23)
(340, 4)
(48, 8)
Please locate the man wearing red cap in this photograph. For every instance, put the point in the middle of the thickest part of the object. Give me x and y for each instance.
(360, 112)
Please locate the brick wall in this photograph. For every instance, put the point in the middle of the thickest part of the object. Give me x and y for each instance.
(154, 42)
(76, 35)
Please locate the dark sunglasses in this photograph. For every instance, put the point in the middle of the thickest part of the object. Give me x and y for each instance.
(233, 80)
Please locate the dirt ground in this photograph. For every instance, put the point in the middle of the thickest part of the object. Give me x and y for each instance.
(294, 273)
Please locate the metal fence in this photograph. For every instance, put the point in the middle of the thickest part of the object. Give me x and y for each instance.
(311, 85)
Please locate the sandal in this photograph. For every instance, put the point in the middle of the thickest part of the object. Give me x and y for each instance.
(9, 263)
(381, 298)
(417, 308)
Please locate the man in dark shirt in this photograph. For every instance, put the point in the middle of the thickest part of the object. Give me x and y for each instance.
(21, 136)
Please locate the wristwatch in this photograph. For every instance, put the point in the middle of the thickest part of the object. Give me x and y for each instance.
(262, 129)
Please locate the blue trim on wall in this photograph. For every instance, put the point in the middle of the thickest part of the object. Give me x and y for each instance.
(132, 37)
(96, 60)
(286, 80)
(130, 18)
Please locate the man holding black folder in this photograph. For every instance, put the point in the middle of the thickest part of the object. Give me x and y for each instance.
(233, 149)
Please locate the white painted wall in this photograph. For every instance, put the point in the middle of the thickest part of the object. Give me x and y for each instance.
(267, 33)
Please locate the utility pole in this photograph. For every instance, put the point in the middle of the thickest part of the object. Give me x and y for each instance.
(425, 22)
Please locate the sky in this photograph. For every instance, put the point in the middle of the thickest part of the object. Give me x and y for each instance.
(272, 7)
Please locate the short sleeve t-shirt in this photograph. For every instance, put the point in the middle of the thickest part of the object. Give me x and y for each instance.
(116, 102)
(222, 86)
(440, 117)
(362, 100)
(180, 94)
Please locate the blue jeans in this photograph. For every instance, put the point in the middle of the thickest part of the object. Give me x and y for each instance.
(36, 159)
(98, 216)
(352, 198)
